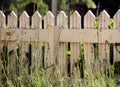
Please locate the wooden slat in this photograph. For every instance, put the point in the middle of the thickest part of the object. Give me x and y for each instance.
(78, 33)
(36, 46)
(24, 20)
(24, 24)
(112, 36)
(37, 20)
(2, 25)
(24, 34)
(62, 22)
(116, 20)
(89, 20)
(75, 23)
(49, 20)
(104, 19)
(116, 24)
(36, 56)
(2, 20)
(12, 20)
(12, 47)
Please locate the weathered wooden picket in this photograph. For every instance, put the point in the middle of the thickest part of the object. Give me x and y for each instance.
(21, 41)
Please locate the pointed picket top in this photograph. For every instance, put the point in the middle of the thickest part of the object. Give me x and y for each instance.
(116, 20)
(2, 20)
(24, 20)
(89, 20)
(36, 20)
(75, 20)
(49, 19)
(62, 20)
(12, 20)
(104, 19)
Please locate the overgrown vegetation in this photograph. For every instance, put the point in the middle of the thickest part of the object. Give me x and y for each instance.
(51, 77)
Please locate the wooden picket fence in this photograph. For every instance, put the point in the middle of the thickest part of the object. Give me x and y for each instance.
(22, 38)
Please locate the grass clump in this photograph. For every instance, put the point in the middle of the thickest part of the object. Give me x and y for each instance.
(53, 78)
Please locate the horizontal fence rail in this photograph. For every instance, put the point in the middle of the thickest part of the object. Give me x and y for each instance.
(65, 35)
(27, 44)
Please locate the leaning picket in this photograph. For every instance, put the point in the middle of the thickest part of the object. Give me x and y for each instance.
(2, 26)
(116, 25)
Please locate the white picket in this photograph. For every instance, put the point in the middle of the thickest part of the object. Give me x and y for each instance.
(89, 21)
(103, 20)
(2, 22)
(75, 23)
(24, 24)
(24, 20)
(36, 20)
(116, 20)
(12, 20)
(49, 20)
(62, 23)
(36, 45)
(12, 46)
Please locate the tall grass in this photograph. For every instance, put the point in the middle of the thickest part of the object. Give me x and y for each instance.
(56, 80)
(53, 78)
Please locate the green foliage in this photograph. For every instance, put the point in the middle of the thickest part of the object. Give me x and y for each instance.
(68, 52)
(111, 24)
(42, 7)
(19, 5)
(96, 24)
(63, 5)
(89, 3)
(43, 44)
